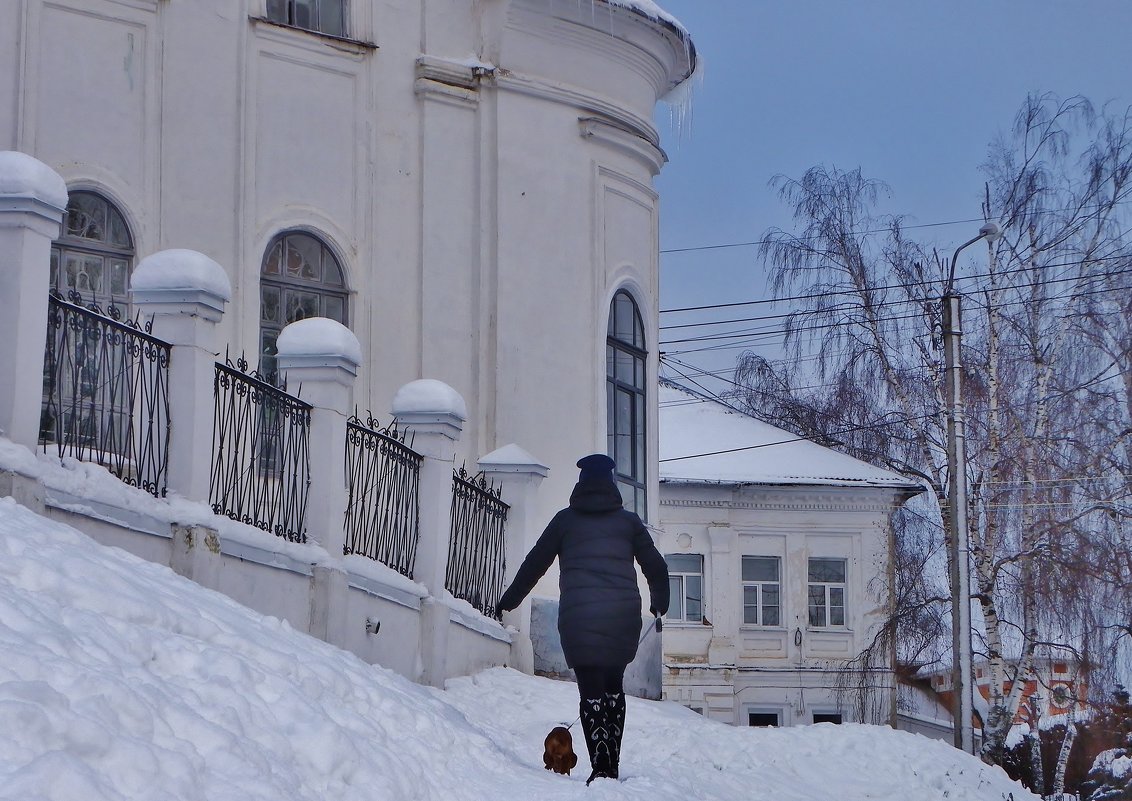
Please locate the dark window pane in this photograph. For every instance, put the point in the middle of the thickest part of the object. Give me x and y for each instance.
(304, 257)
(763, 719)
(269, 304)
(86, 216)
(817, 605)
(610, 360)
(831, 570)
(119, 233)
(694, 592)
(332, 17)
(301, 306)
(751, 604)
(334, 308)
(771, 616)
(624, 428)
(760, 568)
(827, 717)
(277, 11)
(119, 277)
(272, 264)
(676, 594)
(54, 268)
(684, 562)
(305, 14)
(623, 366)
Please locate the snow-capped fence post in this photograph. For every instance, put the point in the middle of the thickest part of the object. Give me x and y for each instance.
(436, 413)
(519, 475)
(319, 358)
(33, 199)
(185, 292)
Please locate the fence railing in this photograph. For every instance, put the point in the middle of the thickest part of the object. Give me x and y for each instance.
(261, 452)
(383, 484)
(106, 392)
(476, 547)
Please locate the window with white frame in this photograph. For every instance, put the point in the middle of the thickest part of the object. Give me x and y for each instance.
(323, 16)
(762, 591)
(685, 588)
(827, 592)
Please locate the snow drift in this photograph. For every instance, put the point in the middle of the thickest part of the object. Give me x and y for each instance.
(121, 680)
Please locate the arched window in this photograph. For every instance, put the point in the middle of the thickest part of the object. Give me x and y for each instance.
(300, 278)
(625, 399)
(95, 254)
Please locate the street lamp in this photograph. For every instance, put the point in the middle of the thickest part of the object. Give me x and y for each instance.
(959, 566)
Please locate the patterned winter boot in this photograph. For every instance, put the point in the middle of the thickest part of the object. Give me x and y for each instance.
(615, 712)
(595, 726)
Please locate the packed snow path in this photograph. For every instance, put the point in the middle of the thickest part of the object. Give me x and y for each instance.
(120, 680)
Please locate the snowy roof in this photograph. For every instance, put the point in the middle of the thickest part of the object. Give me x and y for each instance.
(704, 441)
(648, 8)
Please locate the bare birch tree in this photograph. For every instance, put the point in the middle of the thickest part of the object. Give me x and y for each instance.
(1046, 344)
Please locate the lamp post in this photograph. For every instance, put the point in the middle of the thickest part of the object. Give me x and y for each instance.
(959, 566)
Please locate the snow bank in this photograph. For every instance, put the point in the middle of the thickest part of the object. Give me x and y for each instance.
(121, 680)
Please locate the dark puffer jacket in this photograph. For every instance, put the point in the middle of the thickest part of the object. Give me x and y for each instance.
(595, 541)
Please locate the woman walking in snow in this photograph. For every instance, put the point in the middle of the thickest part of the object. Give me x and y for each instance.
(596, 541)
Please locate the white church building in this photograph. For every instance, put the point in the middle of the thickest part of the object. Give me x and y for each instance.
(778, 553)
(465, 185)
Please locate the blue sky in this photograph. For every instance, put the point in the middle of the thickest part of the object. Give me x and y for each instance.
(912, 92)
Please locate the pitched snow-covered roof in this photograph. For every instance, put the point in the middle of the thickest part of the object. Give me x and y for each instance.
(739, 449)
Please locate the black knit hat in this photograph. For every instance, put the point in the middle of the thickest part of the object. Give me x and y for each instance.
(596, 466)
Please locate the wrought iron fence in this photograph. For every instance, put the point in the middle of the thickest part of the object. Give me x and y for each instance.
(106, 392)
(383, 508)
(261, 452)
(476, 546)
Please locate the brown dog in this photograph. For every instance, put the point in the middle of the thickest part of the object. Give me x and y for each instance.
(558, 751)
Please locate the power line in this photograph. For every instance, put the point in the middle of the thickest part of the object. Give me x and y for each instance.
(768, 331)
(881, 304)
(764, 241)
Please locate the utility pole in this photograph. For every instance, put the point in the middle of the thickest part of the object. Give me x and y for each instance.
(958, 552)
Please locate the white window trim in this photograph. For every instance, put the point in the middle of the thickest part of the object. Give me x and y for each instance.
(682, 606)
(827, 585)
(759, 585)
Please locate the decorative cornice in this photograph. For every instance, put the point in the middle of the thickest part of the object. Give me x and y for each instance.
(448, 80)
(802, 502)
(627, 141)
(616, 115)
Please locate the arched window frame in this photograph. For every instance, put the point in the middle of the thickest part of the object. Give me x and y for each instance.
(627, 400)
(94, 255)
(292, 288)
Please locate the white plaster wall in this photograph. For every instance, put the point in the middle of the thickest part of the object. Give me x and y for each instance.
(728, 667)
(482, 231)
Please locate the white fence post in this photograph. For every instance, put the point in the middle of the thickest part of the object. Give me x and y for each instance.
(435, 413)
(185, 293)
(319, 358)
(519, 476)
(33, 199)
